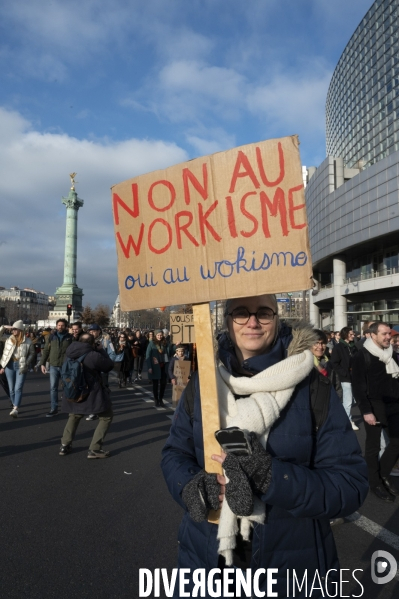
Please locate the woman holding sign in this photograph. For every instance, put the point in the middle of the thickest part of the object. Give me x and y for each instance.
(293, 464)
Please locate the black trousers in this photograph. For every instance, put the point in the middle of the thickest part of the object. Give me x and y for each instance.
(159, 385)
(388, 415)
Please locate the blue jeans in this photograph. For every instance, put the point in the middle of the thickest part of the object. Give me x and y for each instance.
(15, 382)
(55, 375)
(347, 398)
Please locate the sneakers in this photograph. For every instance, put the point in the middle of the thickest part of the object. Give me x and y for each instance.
(92, 417)
(139, 377)
(98, 453)
(65, 449)
(52, 413)
(136, 380)
(354, 427)
(14, 413)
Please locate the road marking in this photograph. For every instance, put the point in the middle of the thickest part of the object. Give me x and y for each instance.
(379, 532)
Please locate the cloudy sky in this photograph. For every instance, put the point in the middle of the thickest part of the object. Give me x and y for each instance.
(117, 88)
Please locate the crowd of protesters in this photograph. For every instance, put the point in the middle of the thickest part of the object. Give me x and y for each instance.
(125, 351)
(363, 368)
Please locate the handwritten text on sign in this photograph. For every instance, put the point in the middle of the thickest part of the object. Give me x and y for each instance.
(182, 328)
(213, 228)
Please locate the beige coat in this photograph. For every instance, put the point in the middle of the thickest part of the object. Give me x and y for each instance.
(27, 353)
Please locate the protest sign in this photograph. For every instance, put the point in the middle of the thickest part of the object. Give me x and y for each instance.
(214, 227)
(181, 371)
(182, 328)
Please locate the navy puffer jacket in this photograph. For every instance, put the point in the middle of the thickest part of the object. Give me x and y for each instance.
(315, 477)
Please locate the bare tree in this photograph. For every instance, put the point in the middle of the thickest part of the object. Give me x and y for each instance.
(87, 315)
(101, 315)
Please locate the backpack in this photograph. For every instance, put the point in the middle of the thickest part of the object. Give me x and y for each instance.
(73, 380)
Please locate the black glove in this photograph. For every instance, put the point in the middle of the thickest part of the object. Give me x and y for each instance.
(201, 494)
(257, 466)
(238, 490)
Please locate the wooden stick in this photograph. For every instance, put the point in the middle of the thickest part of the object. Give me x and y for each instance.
(209, 396)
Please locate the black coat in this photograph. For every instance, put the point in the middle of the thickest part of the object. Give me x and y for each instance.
(341, 357)
(372, 386)
(96, 362)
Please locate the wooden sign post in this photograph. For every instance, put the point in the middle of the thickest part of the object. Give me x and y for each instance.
(223, 226)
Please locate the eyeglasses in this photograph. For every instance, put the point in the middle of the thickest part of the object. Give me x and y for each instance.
(320, 343)
(242, 315)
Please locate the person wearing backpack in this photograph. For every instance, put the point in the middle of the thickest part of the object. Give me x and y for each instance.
(95, 398)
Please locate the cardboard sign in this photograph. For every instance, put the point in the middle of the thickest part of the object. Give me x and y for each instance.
(177, 390)
(182, 328)
(181, 370)
(217, 227)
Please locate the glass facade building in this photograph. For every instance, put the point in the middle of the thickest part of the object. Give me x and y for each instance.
(362, 107)
(352, 198)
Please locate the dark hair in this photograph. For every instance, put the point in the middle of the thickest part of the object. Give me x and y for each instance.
(64, 320)
(374, 326)
(77, 324)
(345, 332)
(321, 336)
(87, 338)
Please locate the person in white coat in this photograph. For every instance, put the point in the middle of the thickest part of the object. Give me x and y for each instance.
(17, 358)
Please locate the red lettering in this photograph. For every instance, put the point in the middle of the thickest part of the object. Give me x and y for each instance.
(231, 219)
(169, 231)
(172, 191)
(292, 208)
(184, 228)
(248, 215)
(278, 205)
(203, 222)
(242, 160)
(131, 243)
(262, 170)
(202, 189)
(117, 201)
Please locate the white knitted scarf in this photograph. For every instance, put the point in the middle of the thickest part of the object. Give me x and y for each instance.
(384, 355)
(269, 392)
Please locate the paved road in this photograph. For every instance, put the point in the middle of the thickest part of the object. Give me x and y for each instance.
(74, 528)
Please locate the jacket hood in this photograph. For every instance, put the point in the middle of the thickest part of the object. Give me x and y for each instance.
(77, 349)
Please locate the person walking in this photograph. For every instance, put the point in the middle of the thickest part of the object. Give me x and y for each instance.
(139, 348)
(157, 359)
(17, 358)
(303, 464)
(54, 352)
(341, 361)
(375, 378)
(95, 362)
(125, 365)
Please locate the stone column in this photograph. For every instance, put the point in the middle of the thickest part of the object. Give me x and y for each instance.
(339, 275)
(314, 312)
(71, 240)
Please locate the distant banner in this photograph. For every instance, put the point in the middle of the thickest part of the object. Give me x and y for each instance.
(220, 226)
(182, 328)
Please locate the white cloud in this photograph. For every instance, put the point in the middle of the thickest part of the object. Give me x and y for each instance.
(293, 101)
(33, 177)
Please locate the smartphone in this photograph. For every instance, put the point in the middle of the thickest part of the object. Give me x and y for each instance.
(234, 440)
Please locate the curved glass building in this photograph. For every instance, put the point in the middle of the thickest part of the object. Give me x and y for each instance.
(362, 108)
(353, 196)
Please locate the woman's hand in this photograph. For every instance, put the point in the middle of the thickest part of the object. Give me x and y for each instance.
(1, 370)
(173, 381)
(220, 478)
